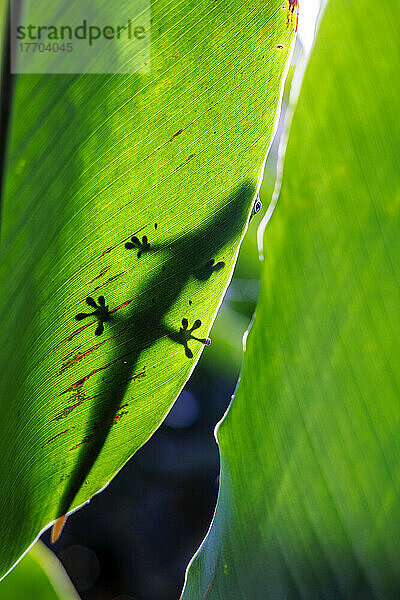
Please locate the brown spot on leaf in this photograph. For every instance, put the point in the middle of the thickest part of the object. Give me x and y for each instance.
(126, 303)
(119, 416)
(68, 410)
(57, 528)
(73, 334)
(78, 357)
(187, 161)
(73, 351)
(85, 440)
(100, 274)
(169, 140)
(108, 281)
(108, 250)
(101, 426)
(54, 438)
(293, 7)
(83, 380)
(139, 375)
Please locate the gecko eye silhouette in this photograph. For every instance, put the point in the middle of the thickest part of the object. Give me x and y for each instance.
(208, 269)
(184, 335)
(142, 246)
(101, 312)
(257, 206)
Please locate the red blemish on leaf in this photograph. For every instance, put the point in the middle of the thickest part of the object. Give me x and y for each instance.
(167, 142)
(119, 416)
(187, 161)
(78, 397)
(136, 376)
(68, 410)
(67, 356)
(176, 134)
(106, 252)
(78, 357)
(113, 247)
(54, 438)
(139, 375)
(57, 528)
(80, 382)
(126, 303)
(73, 334)
(85, 440)
(208, 590)
(122, 241)
(108, 281)
(100, 274)
(92, 435)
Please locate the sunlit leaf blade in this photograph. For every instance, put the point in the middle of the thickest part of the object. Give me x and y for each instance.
(95, 165)
(38, 575)
(310, 449)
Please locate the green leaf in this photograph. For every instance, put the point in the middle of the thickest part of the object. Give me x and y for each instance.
(94, 161)
(310, 448)
(39, 575)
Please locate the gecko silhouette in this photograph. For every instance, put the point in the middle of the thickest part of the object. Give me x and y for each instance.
(144, 324)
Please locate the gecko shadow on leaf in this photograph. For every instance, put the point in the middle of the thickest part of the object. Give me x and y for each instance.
(144, 324)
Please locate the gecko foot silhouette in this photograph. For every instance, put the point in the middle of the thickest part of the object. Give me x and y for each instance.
(101, 313)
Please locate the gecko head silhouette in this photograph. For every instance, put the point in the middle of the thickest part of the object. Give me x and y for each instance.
(101, 313)
(208, 269)
(257, 206)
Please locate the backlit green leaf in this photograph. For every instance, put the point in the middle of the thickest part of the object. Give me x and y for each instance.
(93, 161)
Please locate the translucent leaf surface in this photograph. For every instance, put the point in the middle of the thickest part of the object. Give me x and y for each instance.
(132, 191)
